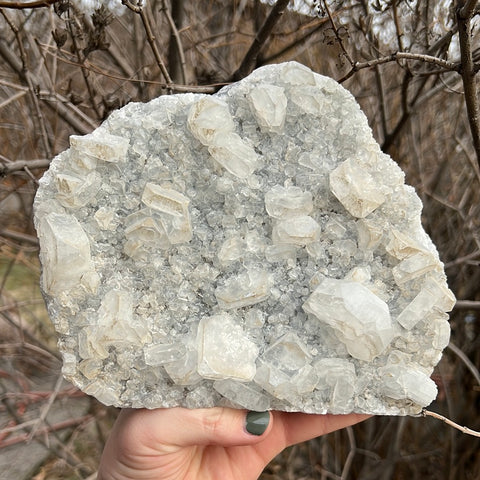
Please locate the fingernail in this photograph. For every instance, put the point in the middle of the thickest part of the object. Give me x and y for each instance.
(257, 422)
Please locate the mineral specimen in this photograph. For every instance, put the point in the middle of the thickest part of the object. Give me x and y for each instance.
(254, 249)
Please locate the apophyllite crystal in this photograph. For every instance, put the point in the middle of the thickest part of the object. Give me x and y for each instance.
(254, 249)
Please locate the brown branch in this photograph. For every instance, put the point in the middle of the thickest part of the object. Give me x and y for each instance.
(468, 9)
(394, 57)
(250, 59)
(22, 164)
(23, 71)
(337, 35)
(467, 71)
(22, 5)
(139, 10)
(73, 422)
(468, 431)
(468, 304)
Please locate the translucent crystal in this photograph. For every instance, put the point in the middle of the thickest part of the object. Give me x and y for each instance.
(432, 295)
(105, 147)
(75, 192)
(234, 154)
(224, 351)
(285, 202)
(208, 119)
(269, 105)
(65, 244)
(360, 319)
(337, 377)
(300, 230)
(162, 353)
(405, 383)
(356, 189)
(248, 288)
(244, 395)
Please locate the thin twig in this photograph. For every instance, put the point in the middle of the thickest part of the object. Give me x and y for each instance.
(351, 454)
(468, 431)
(468, 304)
(21, 164)
(394, 57)
(178, 44)
(139, 9)
(338, 36)
(473, 369)
(53, 428)
(250, 60)
(24, 72)
(24, 5)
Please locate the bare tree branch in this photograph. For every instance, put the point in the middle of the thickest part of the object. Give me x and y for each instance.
(24, 5)
(21, 164)
(139, 9)
(250, 59)
(468, 304)
(394, 57)
(467, 71)
(468, 431)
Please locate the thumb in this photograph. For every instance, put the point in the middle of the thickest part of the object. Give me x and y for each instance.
(184, 427)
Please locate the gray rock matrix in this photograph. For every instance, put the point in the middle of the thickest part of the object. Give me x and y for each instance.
(253, 249)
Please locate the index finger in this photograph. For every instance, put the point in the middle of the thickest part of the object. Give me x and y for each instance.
(298, 427)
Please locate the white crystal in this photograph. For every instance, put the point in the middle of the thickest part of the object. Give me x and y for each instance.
(248, 288)
(404, 383)
(299, 230)
(285, 202)
(162, 353)
(208, 119)
(356, 189)
(234, 154)
(242, 394)
(66, 256)
(108, 148)
(269, 105)
(224, 351)
(432, 295)
(360, 319)
(337, 376)
(75, 192)
(414, 266)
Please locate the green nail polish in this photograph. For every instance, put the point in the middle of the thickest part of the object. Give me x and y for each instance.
(257, 422)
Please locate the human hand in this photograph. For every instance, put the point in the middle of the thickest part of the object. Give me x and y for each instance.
(206, 444)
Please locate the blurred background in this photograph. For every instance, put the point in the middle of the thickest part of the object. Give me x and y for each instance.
(411, 64)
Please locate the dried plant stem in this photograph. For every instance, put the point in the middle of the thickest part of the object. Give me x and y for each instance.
(468, 431)
(139, 9)
(53, 428)
(81, 61)
(468, 304)
(25, 74)
(445, 65)
(24, 5)
(21, 165)
(473, 369)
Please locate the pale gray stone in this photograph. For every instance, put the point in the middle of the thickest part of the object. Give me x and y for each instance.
(252, 249)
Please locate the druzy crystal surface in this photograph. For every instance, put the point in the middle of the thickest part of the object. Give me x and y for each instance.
(254, 249)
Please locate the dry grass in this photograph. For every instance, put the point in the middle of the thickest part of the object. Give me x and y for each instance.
(62, 73)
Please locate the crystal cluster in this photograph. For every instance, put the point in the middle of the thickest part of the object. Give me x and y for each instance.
(253, 249)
